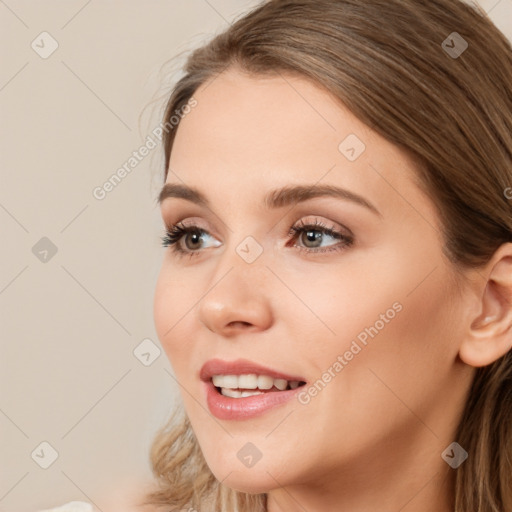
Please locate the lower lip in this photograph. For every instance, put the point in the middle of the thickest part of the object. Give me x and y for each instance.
(227, 408)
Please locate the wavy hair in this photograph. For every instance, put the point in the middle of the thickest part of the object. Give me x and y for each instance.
(385, 61)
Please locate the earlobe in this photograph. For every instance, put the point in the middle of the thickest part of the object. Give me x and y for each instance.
(489, 334)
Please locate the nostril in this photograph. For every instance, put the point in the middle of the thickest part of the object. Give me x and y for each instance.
(239, 323)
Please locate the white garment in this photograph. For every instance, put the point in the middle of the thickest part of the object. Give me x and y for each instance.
(72, 506)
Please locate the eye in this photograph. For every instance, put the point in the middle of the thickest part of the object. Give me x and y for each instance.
(192, 235)
(313, 234)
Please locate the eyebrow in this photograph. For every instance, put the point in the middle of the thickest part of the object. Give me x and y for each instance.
(278, 198)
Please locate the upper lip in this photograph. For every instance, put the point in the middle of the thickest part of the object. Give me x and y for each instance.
(241, 367)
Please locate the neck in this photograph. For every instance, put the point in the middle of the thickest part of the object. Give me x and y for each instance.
(403, 478)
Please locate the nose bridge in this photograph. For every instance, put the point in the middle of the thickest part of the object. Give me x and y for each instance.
(238, 291)
(243, 256)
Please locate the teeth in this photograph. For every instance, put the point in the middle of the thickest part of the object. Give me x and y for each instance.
(233, 393)
(280, 384)
(231, 384)
(225, 381)
(265, 382)
(251, 393)
(248, 381)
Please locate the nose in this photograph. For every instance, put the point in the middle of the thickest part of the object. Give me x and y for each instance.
(237, 301)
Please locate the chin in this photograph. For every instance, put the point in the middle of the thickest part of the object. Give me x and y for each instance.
(251, 481)
(229, 466)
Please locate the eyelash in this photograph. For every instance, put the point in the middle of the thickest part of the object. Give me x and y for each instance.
(176, 232)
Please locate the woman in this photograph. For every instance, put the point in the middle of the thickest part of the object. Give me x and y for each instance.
(336, 293)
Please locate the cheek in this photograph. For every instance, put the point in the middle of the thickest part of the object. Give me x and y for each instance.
(172, 313)
(398, 321)
(343, 302)
(404, 363)
(398, 346)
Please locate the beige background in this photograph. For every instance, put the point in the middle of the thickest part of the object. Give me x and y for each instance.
(70, 324)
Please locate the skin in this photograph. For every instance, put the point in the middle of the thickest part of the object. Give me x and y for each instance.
(372, 438)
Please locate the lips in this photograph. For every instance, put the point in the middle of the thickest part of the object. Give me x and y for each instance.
(241, 403)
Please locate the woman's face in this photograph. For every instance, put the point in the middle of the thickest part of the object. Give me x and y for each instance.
(366, 316)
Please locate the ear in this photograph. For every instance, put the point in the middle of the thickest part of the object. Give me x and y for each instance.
(489, 335)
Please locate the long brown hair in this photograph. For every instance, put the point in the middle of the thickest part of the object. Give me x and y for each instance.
(397, 65)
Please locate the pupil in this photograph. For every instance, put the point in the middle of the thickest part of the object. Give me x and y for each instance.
(313, 235)
(195, 237)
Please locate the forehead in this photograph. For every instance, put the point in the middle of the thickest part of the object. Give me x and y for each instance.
(268, 111)
(260, 132)
(244, 120)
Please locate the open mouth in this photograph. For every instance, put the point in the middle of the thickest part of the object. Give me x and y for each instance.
(241, 386)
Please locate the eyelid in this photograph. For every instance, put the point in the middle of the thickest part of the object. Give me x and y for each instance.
(303, 221)
(191, 214)
(189, 222)
(322, 222)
